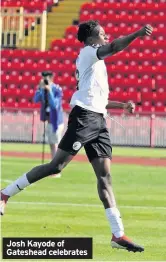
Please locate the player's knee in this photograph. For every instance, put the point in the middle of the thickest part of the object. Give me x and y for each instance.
(55, 169)
(105, 180)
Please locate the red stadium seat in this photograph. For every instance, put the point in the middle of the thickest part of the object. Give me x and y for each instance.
(70, 55)
(54, 56)
(65, 105)
(24, 86)
(7, 79)
(72, 44)
(13, 92)
(160, 107)
(84, 17)
(148, 96)
(68, 81)
(10, 102)
(35, 105)
(145, 89)
(160, 83)
(124, 97)
(27, 93)
(132, 96)
(116, 82)
(71, 31)
(4, 93)
(5, 53)
(147, 107)
(117, 89)
(68, 69)
(158, 32)
(161, 97)
(86, 6)
(24, 103)
(67, 94)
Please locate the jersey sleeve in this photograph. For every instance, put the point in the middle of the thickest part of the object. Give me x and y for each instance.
(91, 54)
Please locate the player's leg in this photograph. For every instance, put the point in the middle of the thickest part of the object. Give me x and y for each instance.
(53, 148)
(70, 144)
(101, 167)
(61, 159)
(99, 152)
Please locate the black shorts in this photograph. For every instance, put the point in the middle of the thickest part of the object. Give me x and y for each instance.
(88, 129)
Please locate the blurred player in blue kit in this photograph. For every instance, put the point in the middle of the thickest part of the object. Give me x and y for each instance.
(50, 96)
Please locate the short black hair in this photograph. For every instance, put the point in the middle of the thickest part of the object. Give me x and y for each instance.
(47, 73)
(85, 29)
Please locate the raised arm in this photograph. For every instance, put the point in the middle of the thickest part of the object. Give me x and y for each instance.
(119, 44)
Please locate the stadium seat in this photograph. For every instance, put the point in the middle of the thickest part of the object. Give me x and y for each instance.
(11, 103)
(71, 31)
(35, 105)
(160, 83)
(24, 103)
(28, 93)
(160, 107)
(161, 97)
(4, 93)
(117, 89)
(147, 107)
(65, 105)
(30, 6)
(13, 92)
(68, 81)
(148, 96)
(145, 89)
(67, 94)
(123, 97)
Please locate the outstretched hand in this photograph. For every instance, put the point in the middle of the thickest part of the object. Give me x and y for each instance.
(129, 107)
(146, 30)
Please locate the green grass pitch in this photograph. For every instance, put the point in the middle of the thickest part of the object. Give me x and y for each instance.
(117, 151)
(47, 208)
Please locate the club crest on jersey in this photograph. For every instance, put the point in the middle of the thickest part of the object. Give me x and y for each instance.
(76, 145)
(96, 45)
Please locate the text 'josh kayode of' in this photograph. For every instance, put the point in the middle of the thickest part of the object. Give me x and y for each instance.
(48, 248)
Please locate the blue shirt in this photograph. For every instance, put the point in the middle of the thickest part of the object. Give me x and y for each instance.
(54, 97)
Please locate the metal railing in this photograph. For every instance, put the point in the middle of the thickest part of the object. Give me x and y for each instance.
(138, 130)
(21, 30)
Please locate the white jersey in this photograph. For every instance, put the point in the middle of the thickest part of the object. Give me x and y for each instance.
(91, 74)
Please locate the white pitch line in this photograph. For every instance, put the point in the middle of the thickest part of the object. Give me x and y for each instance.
(82, 205)
(7, 180)
(11, 181)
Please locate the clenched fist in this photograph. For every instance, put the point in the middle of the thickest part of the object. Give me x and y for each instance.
(130, 107)
(146, 30)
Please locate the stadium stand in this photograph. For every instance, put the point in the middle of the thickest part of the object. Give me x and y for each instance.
(30, 6)
(137, 74)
